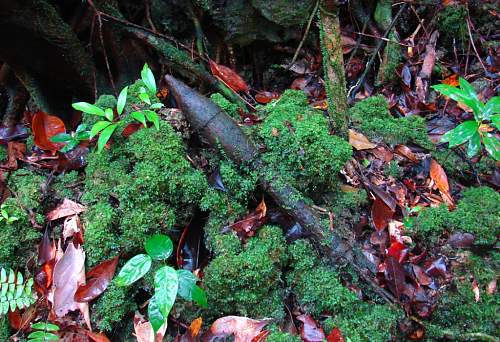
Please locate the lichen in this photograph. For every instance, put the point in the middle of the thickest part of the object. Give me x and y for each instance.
(298, 144)
(372, 117)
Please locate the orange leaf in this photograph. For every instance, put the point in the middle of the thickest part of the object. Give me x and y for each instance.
(229, 77)
(451, 80)
(335, 336)
(264, 97)
(359, 141)
(439, 177)
(44, 127)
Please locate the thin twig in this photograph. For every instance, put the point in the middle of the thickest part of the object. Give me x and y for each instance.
(306, 33)
(147, 9)
(474, 45)
(354, 89)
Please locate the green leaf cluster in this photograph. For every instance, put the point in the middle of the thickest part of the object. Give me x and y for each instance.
(72, 140)
(15, 293)
(168, 282)
(473, 132)
(43, 332)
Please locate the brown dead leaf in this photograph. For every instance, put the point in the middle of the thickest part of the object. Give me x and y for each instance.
(247, 226)
(405, 151)
(359, 141)
(144, 330)
(381, 214)
(438, 175)
(66, 208)
(72, 228)
(15, 151)
(310, 330)
(242, 328)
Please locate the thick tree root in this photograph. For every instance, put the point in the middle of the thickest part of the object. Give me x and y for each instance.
(220, 130)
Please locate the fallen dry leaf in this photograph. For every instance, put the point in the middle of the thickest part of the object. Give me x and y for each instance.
(381, 214)
(438, 175)
(310, 330)
(247, 226)
(66, 208)
(15, 151)
(359, 141)
(492, 287)
(475, 289)
(242, 328)
(143, 330)
(335, 336)
(98, 279)
(405, 151)
(72, 228)
(229, 77)
(44, 127)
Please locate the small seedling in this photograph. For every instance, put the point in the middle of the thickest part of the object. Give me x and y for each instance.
(43, 332)
(150, 115)
(168, 282)
(481, 129)
(5, 216)
(72, 140)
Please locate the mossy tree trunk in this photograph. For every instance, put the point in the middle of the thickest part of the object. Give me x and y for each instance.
(333, 63)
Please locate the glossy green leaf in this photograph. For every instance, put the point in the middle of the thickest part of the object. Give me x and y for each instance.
(492, 145)
(145, 97)
(3, 275)
(199, 296)
(81, 128)
(159, 247)
(45, 326)
(155, 316)
(122, 99)
(108, 113)
(458, 95)
(69, 146)
(139, 116)
(98, 126)
(153, 117)
(166, 287)
(187, 281)
(476, 105)
(474, 145)
(148, 78)
(495, 121)
(88, 108)
(61, 138)
(42, 336)
(461, 133)
(82, 136)
(156, 105)
(12, 277)
(133, 270)
(492, 107)
(105, 136)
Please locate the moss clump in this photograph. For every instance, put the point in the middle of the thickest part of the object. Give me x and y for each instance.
(458, 168)
(249, 283)
(112, 307)
(279, 336)
(476, 213)
(28, 188)
(65, 185)
(458, 316)
(346, 207)
(299, 145)
(372, 117)
(280, 11)
(4, 329)
(392, 58)
(229, 107)
(452, 24)
(319, 291)
(3, 153)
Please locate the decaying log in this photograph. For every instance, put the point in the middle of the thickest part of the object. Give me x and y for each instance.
(221, 130)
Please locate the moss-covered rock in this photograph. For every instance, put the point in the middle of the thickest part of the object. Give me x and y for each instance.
(298, 143)
(249, 283)
(280, 11)
(347, 207)
(452, 24)
(372, 117)
(65, 185)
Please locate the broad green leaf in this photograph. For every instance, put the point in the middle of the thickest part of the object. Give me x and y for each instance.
(477, 106)
(98, 126)
(474, 145)
(155, 316)
(108, 113)
(199, 296)
(61, 138)
(166, 287)
(82, 136)
(145, 97)
(495, 121)
(12, 276)
(122, 99)
(461, 133)
(148, 78)
(3, 275)
(19, 278)
(4, 307)
(45, 326)
(156, 105)
(187, 281)
(458, 95)
(88, 108)
(159, 247)
(69, 146)
(139, 116)
(105, 136)
(133, 270)
(81, 128)
(492, 107)
(492, 145)
(42, 336)
(153, 117)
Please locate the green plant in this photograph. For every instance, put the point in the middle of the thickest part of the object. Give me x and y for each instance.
(43, 332)
(72, 140)
(14, 292)
(4, 214)
(168, 282)
(479, 129)
(105, 128)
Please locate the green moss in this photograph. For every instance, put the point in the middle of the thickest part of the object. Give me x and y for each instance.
(64, 185)
(392, 58)
(249, 283)
(279, 336)
(3, 153)
(112, 308)
(452, 25)
(28, 187)
(458, 168)
(229, 107)
(347, 206)
(476, 213)
(372, 117)
(298, 144)
(457, 313)
(5, 331)
(280, 11)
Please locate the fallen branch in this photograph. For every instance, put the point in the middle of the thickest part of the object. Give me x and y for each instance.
(219, 129)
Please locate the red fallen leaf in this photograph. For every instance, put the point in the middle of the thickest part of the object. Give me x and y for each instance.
(15, 150)
(98, 279)
(46, 249)
(310, 331)
(249, 119)
(247, 226)
(15, 319)
(264, 97)
(261, 337)
(68, 274)
(422, 277)
(439, 177)
(437, 268)
(131, 128)
(299, 83)
(395, 276)
(335, 336)
(44, 127)
(66, 208)
(460, 240)
(381, 214)
(244, 329)
(451, 80)
(398, 251)
(229, 77)
(9, 133)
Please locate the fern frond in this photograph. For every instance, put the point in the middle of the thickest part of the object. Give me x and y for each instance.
(14, 292)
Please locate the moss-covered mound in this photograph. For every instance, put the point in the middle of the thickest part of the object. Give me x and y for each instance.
(298, 143)
(372, 117)
(477, 213)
